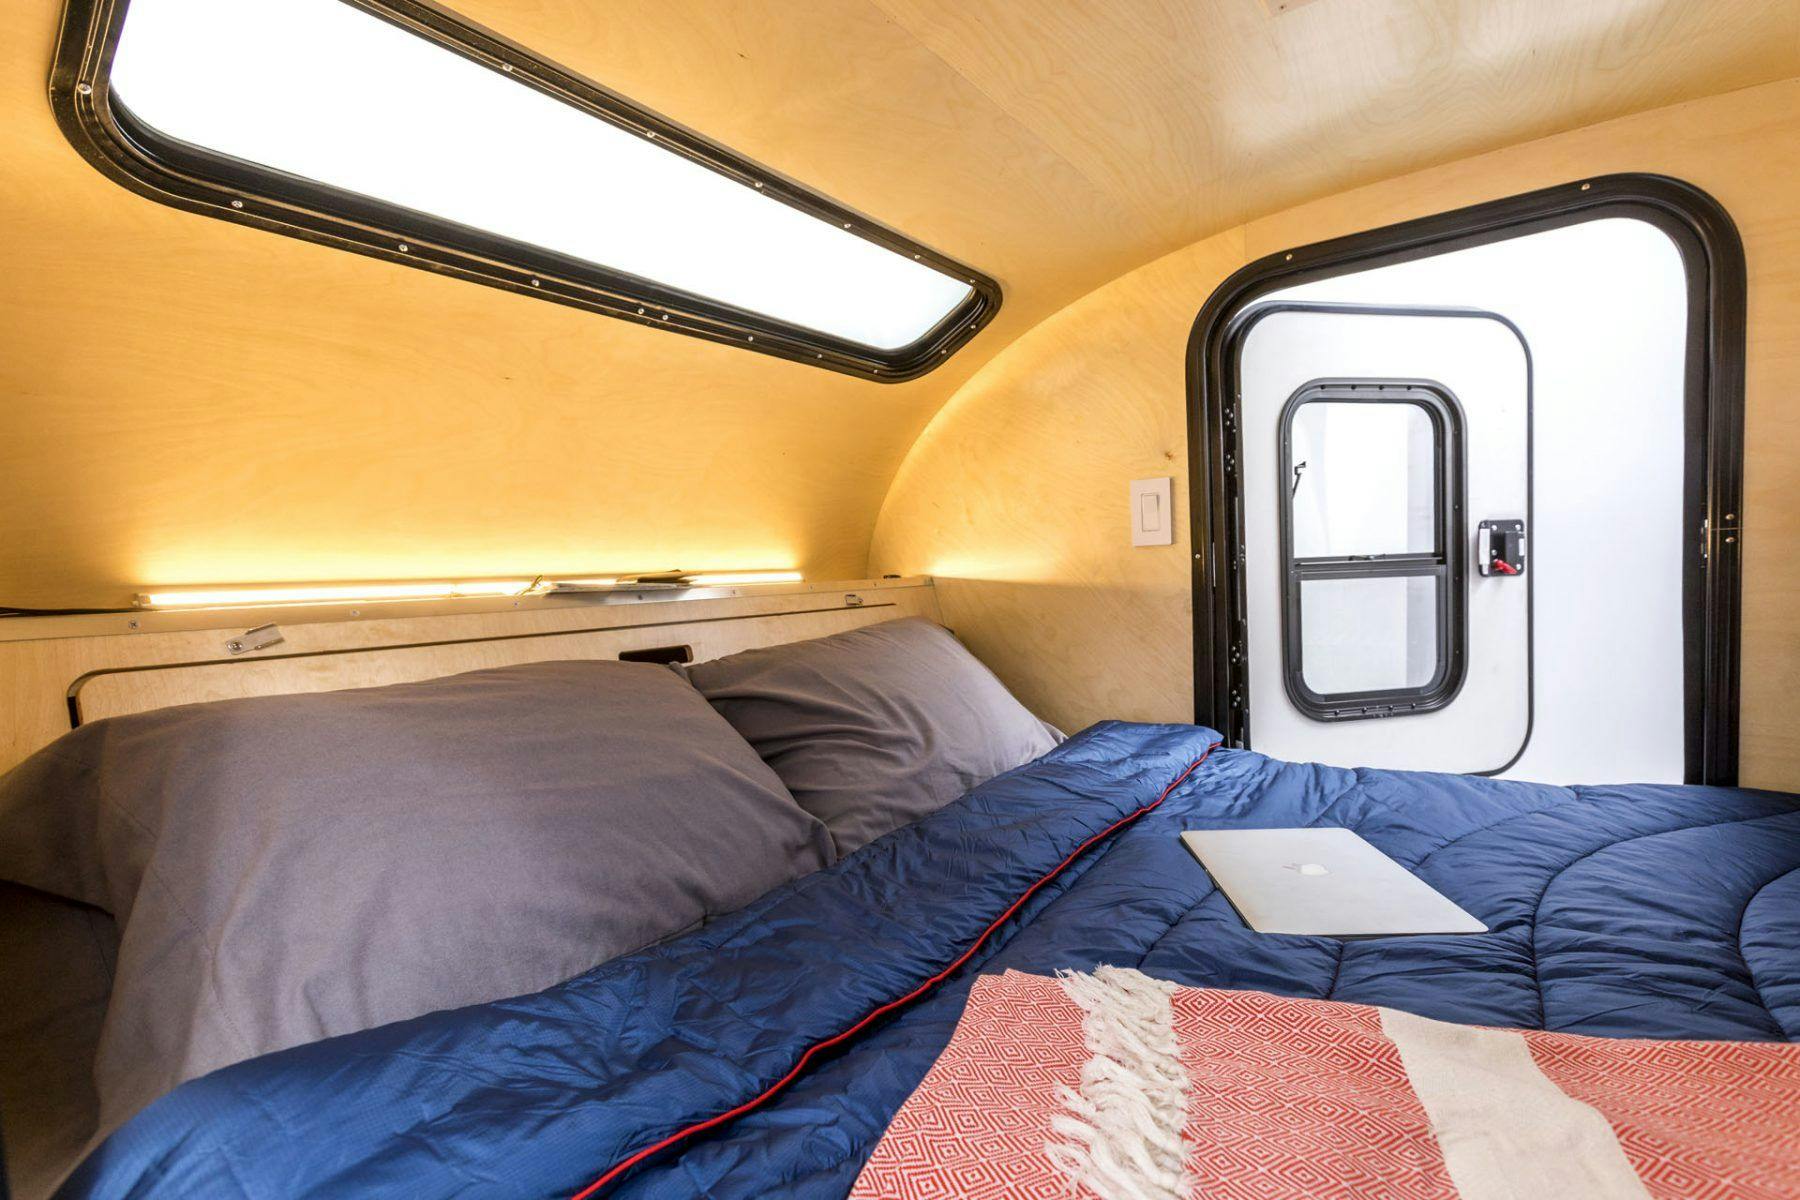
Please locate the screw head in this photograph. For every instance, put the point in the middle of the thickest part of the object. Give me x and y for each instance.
(404, 248)
(237, 204)
(85, 89)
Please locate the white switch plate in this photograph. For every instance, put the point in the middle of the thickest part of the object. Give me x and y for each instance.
(1152, 521)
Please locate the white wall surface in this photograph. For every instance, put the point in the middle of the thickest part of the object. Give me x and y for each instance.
(1603, 307)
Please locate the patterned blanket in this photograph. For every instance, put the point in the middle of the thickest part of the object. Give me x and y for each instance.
(1117, 1086)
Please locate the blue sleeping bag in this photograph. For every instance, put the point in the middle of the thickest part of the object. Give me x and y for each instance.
(1647, 911)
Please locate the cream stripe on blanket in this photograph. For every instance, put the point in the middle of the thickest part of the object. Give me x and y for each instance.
(1116, 1086)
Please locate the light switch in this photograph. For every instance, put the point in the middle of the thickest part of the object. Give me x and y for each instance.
(1152, 522)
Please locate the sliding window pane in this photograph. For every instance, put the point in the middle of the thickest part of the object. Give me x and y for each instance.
(1364, 479)
(1368, 635)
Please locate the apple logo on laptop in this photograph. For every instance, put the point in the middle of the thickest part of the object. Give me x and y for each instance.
(1307, 868)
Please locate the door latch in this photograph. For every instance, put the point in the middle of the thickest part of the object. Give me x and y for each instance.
(1500, 547)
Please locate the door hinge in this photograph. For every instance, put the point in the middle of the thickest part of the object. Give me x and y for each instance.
(1727, 532)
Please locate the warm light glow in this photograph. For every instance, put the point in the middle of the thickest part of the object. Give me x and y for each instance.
(356, 593)
(327, 594)
(328, 92)
(726, 579)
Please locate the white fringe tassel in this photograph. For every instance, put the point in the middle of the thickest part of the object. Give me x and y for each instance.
(1121, 1132)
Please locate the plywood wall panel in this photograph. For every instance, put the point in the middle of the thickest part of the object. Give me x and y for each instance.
(182, 400)
(1016, 498)
(1112, 638)
(141, 691)
(275, 415)
(119, 664)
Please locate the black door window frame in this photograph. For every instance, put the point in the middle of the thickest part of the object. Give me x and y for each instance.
(185, 176)
(1712, 255)
(1443, 563)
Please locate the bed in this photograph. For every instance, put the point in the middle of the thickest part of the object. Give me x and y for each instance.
(576, 926)
(766, 1053)
(58, 956)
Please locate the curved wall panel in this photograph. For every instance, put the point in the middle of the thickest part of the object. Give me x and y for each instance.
(186, 401)
(1027, 531)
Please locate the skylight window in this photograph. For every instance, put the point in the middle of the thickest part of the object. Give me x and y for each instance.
(460, 149)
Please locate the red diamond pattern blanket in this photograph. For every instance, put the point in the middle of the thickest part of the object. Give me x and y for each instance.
(1116, 1086)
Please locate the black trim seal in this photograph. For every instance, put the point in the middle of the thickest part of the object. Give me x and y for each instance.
(1713, 258)
(190, 177)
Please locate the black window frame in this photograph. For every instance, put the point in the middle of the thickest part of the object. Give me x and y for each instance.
(185, 176)
(1712, 254)
(1444, 562)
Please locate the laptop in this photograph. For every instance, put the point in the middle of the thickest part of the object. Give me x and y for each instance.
(1322, 882)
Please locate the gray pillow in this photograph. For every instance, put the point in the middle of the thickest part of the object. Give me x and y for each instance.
(287, 868)
(876, 727)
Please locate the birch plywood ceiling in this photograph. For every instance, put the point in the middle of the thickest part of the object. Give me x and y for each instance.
(1061, 142)
(187, 401)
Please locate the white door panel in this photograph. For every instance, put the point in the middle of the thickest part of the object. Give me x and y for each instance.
(1376, 627)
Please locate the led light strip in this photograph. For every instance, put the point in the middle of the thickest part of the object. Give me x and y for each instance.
(727, 578)
(251, 597)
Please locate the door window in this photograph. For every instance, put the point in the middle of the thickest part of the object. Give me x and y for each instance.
(1371, 517)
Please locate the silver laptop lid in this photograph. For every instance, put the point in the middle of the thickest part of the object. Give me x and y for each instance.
(1322, 882)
